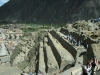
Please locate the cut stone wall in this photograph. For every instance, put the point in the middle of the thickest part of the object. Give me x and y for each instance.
(52, 65)
(81, 37)
(65, 56)
(41, 59)
(65, 44)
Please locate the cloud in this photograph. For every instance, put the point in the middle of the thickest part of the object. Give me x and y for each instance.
(3, 1)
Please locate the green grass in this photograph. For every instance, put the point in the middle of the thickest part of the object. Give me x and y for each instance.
(29, 29)
(33, 29)
(44, 24)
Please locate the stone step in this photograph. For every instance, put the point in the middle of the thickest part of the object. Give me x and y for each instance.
(41, 59)
(63, 57)
(51, 61)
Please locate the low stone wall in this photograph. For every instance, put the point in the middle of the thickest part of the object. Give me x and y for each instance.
(41, 59)
(81, 37)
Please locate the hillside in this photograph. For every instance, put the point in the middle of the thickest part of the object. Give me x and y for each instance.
(49, 11)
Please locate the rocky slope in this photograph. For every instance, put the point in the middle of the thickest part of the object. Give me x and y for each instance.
(49, 11)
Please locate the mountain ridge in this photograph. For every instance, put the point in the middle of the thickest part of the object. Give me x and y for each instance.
(49, 11)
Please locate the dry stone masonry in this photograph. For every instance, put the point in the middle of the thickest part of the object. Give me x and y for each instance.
(41, 59)
(52, 65)
(56, 55)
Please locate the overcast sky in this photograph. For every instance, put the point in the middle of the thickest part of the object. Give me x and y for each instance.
(3, 2)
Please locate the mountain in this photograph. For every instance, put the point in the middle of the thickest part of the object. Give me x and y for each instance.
(49, 11)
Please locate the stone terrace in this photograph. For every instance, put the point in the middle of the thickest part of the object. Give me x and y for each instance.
(58, 55)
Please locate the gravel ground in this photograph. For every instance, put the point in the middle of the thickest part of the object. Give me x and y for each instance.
(5, 69)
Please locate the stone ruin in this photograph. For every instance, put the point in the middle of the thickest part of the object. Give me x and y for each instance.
(56, 55)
